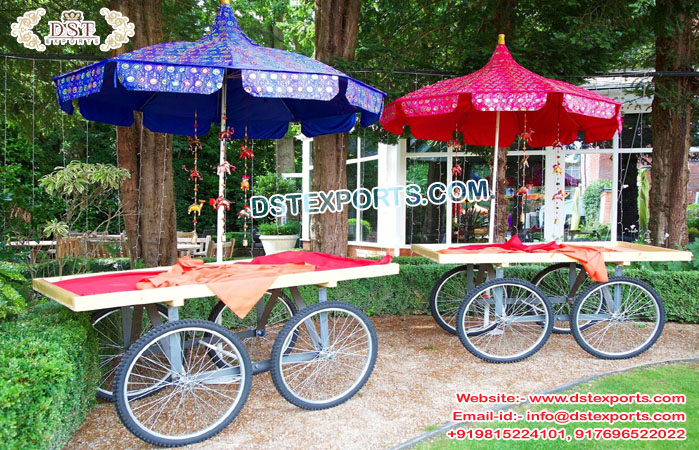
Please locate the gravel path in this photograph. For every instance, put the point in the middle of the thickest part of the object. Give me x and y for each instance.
(418, 370)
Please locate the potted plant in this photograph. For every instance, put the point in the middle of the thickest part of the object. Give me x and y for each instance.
(277, 238)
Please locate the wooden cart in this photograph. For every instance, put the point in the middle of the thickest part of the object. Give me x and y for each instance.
(507, 319)
(175, 382)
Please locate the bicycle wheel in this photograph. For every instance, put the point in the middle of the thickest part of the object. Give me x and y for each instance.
(331, 359)
(195, 399)
(446, 297)
(110, 341)
(554, 282)
(622, 318)
(504, 320)
(258, 346)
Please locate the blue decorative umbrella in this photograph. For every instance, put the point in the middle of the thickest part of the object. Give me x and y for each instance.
(226, 77)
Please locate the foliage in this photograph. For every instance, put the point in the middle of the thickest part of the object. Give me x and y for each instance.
(12, 301)
(693, 233)
(366, 225)
(408, 292)
(292, 227)
(591, 201)
(693, 215)
(270, 184)
(83, 186)
(49, 377)
(643, 199)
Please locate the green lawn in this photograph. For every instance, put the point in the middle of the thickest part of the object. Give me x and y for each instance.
(667, 379)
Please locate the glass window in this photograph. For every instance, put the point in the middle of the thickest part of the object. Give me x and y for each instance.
(525, 196)
(420, 146)
(369, 143)
(368, 227)
(425, 224)
(469, 219)
(587, 207)
(352, 145)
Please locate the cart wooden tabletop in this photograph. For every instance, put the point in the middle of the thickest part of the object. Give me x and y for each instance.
(624, 253)
(176, 295)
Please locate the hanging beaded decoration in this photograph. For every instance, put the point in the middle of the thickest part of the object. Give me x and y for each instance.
(224, 169)
(195, 176)
(525, 137)
(560, 194)
(245, 213)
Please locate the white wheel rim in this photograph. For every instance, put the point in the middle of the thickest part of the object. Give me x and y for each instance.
(166, 404)
(448, 298)
(349, 341)
(111, 351)
(504, 337)
(623, 327)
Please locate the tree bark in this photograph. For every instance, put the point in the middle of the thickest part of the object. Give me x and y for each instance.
(148, 197)
(675, 29)
(502, 206)
(336, 26)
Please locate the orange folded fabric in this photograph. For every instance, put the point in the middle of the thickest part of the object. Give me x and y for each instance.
(589, 256)
(239, 286)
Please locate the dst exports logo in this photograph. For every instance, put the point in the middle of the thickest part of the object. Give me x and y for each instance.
(72, 29)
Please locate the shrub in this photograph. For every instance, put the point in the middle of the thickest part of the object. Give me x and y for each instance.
(409, 291)
(693, 234)
(49, 377)
(693, 216)
(591, 201)
(289, 228)
(11, 300)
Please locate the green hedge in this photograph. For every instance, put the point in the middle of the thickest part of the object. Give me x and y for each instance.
(408, 292)
(48, 378)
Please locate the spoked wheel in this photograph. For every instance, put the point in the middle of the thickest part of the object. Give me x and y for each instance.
(446, 297)
(618, 319)
(504, 320)
(193, 399)
(324, 355)
(258, 339)
(110, 340)
(555, 282)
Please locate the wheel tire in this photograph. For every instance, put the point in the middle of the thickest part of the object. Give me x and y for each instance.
(580, 332)
(558, 308)
(100, 319)
(297, 327)
(475, 294)
(207, 329)
(253, 344)
(442, 310)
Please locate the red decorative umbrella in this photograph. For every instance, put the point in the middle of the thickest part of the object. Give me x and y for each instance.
(553, 111)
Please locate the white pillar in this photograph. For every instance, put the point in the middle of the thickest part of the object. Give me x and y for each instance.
(615, 189)
(221, 213)
(305, 187)
(388, 217)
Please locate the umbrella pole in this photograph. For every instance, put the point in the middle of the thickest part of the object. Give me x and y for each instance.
(220, 218)
(494, 190)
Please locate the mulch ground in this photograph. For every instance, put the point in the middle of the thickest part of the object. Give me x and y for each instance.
(418, 371)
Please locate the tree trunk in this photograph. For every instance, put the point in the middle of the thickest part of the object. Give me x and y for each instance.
(675, 28)
(336, 26)
(501, 207)
(148, 197)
